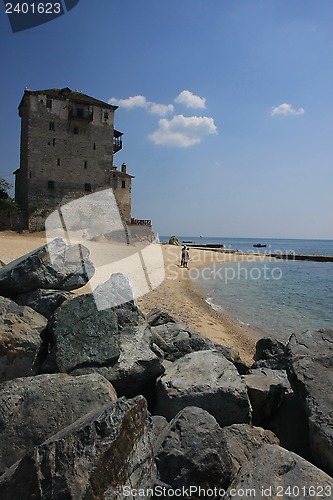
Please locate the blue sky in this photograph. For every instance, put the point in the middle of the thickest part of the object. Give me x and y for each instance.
(226, 106)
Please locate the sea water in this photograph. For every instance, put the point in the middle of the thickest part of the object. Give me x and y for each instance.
(275, 297)
(307, 247)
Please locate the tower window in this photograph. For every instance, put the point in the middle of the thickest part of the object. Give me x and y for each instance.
(50, 184)
(30, 175)
(54, 142)
(85, 164)
(51, 126)
(76, 130)
(49, 103)
(123, 184)
(58, 162)
(94, 145)
(79, 112)
(106, 115)
(87, 187)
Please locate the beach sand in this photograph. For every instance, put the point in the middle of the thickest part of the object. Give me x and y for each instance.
(177, 295)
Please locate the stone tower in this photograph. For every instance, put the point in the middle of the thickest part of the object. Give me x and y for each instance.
(68, 141)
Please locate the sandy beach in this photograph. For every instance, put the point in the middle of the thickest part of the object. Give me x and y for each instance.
(184, 300)
(177, 295)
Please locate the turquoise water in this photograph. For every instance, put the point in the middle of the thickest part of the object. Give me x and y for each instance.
(277, 297)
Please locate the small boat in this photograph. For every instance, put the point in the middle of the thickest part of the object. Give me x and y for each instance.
(259, 245)
(187, 241)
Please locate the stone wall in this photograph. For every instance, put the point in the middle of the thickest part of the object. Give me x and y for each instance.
(12, 221)
(141, 232)
(63, 154)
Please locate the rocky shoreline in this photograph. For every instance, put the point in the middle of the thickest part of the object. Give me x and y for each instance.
(111, 403)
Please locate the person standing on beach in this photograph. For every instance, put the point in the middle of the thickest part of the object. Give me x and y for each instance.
(186, 257)
(182, 258)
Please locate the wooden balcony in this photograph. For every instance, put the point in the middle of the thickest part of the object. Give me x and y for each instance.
(80, 114)
(117, 141)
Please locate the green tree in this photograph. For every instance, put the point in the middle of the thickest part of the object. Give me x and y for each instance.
(6, 202)
(4, 187)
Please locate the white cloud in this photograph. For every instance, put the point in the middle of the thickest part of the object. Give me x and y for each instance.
(287, 110)
(190, 100)
(139, 101)
(182, 131)
(136, 101)
(160, 109)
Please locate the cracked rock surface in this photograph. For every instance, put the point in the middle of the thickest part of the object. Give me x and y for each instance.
(310, 371)
(277, 473)
(94, 458)
(34, 408)
(20, 339)
(55, 265)
(206, 379)
(115, 341)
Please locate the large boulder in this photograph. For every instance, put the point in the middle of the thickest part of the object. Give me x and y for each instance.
(208, 380)
(173, 240)
(270, 353)
(82, 336)
(291, 426)
(43, 301)
(266, 389)
(104, 455)
(191, 452)
(242, 441)
(175, 340)
(55, 265)
(34, 408)
(310, 371)
(20, 339)
(277, 473)
(114, 342)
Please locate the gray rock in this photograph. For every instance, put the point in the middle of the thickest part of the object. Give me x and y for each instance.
(173, 241)
(175, 340)
(159, 425)
(241, 442)
(266, 389)
(114, 342)
(191, 452)
(82, 336)
(310, 363)
(270, 353)
(117, 290)
(208, 380)
(277, 473)
(103, 455)
(34, 408)
(43, 301)
(55, 265)
(20, 339)
(290, 424)
(158, 317)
